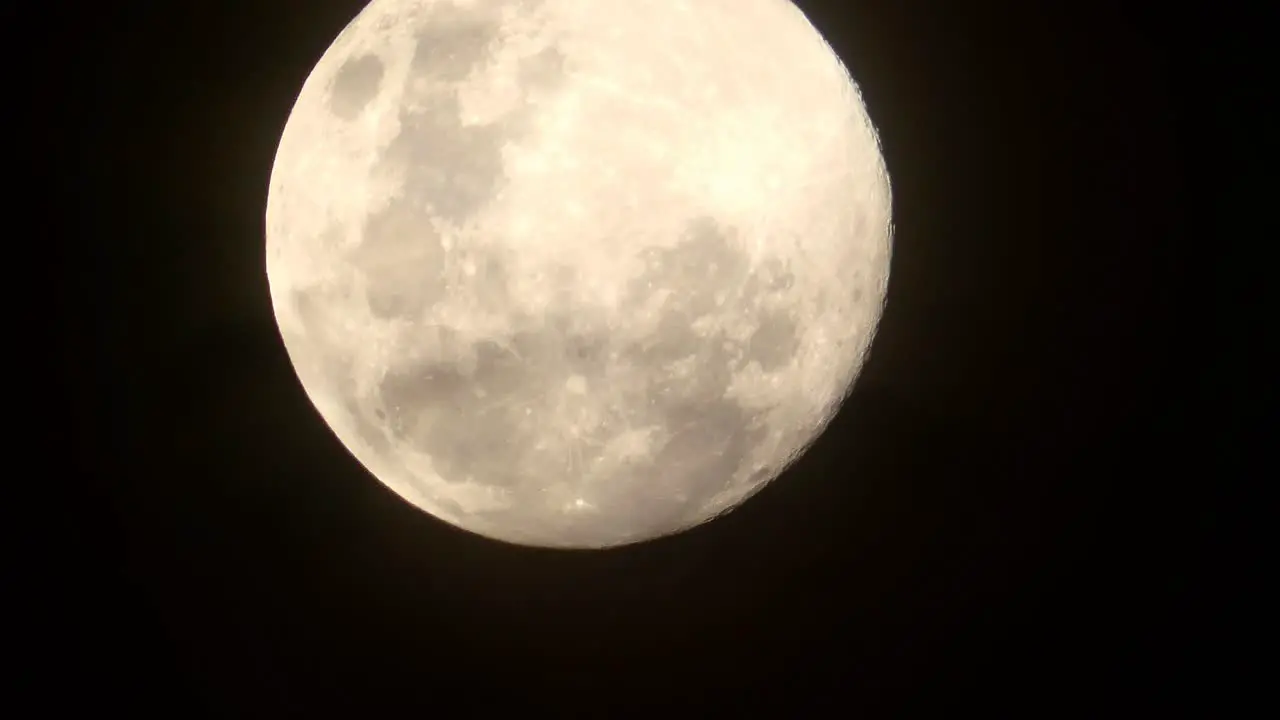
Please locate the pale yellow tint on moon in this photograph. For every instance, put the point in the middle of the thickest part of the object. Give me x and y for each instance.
(578, 273)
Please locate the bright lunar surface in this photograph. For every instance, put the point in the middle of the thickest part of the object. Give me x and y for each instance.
(578, 273)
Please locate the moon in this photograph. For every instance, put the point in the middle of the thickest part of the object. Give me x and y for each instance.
(578, 273)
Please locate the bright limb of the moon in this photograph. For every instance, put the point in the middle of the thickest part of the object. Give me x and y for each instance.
(578, 273)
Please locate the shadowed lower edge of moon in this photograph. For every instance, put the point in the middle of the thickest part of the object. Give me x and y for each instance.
(544, 415)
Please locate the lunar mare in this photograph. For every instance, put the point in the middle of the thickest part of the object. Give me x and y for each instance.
(578, 273)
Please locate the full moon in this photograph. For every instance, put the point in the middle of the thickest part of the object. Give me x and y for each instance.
(578, 273)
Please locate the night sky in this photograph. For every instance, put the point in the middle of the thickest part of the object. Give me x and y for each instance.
(985, 521)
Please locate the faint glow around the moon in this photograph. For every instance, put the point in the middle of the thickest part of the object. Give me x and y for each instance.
(578, 273)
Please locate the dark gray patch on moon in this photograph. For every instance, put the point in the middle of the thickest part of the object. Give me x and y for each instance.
(490, 284)
(463, 421)
(310, 313)
(457, 168)
(354, 85)
(771, 276)
(705, 264)
(451, 171)
(543, 69)
(500, 418)
(672, 341)
(368, 426)
(452, 43)
(402, 261)
(711, 436)
(584, 351)
(482, 416)
(774, 342)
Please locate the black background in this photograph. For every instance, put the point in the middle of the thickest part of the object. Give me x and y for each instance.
(994, 516)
